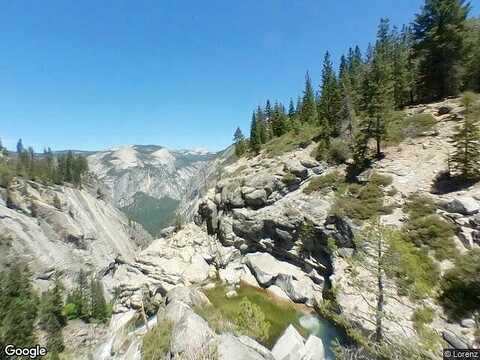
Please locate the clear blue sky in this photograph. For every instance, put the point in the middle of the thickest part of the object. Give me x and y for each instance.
(94, 74)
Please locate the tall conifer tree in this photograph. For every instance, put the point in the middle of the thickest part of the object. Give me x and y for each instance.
(330, 103)
(255, 140)
(439, 31)
(308, 112)
(466, 157)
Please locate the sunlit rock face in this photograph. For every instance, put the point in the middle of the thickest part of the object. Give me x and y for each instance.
(151, 183)
(60, 230)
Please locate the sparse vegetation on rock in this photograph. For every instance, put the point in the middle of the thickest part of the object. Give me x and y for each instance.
(156, 342)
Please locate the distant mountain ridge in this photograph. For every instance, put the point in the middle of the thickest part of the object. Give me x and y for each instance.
(151, 183)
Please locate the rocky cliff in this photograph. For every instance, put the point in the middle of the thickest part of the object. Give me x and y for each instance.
(151, 183)
(261, 204)
(61, 229)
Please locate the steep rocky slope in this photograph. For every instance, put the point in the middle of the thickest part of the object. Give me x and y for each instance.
(60, 229)
(258, 225)
(151, 183)
(260, 206)
(261, 226)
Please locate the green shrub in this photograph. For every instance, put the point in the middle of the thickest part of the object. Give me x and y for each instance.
(338, 152)
(414, 271)
(324, 183)
(6, 175)
(361, 202)
(434, 233)
(70, 311)
(289, 179)
(423, 316)
(460, 286)
(401, 127)
(425, 228)
(380, 180)
(251, 321)
(156, 342)
(429, 338)
(321, 151)
(419, 205)
(216, 319)
(416, 125)
(301, 135)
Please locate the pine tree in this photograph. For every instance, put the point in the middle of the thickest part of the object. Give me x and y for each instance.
(19, 147)
(329, 103)
(356, 74)
(79, 167)
(18, 307)
(308, 112)
(98, 303)
(466, 158)
(472, 55)
(69, 167)
(279, 120)
(343, 69)
(403, 68)
(439, 33)
(268, 110)
(298, 107)
(347, 114)
(261, 124)
(255, 141)
(81, 296)
(378, 90)
(239, 141)
(291, 110)
(52, 319)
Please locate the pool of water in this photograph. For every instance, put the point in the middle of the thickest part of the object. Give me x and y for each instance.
(325, 330)
(280, 314)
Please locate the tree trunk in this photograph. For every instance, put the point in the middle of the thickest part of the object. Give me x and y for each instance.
(380, 298)
(378, 138)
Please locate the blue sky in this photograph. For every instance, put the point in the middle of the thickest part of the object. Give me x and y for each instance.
(95, 74)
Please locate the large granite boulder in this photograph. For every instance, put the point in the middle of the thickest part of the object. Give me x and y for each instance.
(266, 268)
(293, 282)
(292, 346)
(464, 205)
(190, 334)
(296, 168)
(230, 347)
(175, 311)
(289, 346)
(300, 291)
(186, 295)
(256, 198)
(314, 349)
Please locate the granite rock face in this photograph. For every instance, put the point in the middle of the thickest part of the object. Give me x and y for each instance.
(60, 229)
(147, 176)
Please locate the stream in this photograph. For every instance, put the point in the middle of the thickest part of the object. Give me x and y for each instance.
(279, 316)
(325, 330)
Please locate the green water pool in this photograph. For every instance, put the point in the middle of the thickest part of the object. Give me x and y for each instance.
(279, 313)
